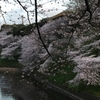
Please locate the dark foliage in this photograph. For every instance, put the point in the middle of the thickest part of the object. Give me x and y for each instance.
(21, 29)
(42, 22)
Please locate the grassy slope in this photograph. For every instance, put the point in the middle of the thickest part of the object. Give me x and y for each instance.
(9, 63)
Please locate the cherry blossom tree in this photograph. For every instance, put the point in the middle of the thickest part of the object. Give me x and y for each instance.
(74, 36)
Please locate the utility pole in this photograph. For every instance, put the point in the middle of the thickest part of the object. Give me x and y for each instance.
(22, 17)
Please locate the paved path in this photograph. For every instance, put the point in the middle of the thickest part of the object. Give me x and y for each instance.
(5, 69)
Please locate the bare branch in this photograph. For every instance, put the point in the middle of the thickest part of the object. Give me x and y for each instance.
(31, 2)
(36, 22)
(2, 15)
(25, 10)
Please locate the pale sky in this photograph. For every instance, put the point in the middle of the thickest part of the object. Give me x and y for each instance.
(14, 11)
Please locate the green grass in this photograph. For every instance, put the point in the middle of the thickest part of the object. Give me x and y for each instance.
(61, 79)
(62, 75)
(10, 63)
(94, 90)
(60, 72)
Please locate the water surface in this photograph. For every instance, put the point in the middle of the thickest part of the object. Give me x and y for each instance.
(16, 87)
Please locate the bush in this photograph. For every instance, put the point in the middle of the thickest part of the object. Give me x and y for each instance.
(21, 29)
(42, 22)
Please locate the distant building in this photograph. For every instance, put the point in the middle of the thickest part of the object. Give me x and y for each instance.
(61, 14)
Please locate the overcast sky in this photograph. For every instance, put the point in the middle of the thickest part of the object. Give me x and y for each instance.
(12, 12)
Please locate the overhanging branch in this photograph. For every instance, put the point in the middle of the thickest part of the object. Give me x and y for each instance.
(36, 22)
(25, 10)
(88, 9)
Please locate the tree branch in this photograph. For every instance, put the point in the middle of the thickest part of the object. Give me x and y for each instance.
(88, 9)
(36, 22)
(31, 2)
(25, 10)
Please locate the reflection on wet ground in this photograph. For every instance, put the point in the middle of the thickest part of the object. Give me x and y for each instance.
(15, 87)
